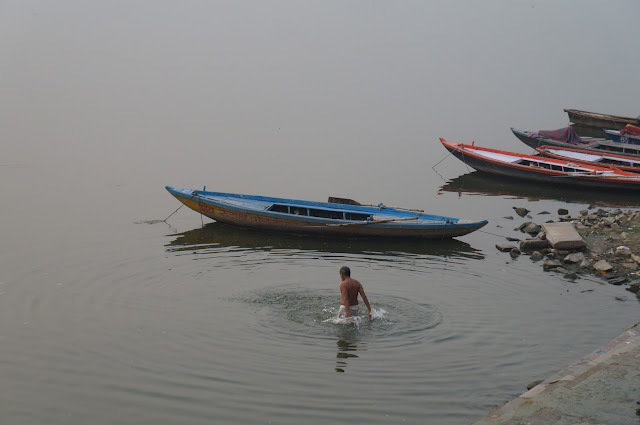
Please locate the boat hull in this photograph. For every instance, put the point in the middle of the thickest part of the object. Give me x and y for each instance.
(620, 162)
(538, 175)
(594, 119)
(267, 220)
(595, 145)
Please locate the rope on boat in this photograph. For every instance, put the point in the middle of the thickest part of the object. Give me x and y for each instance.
(464, 160)
(438, 163)
(165, 220)
(492, 234)
(451, 153)
(191, 197)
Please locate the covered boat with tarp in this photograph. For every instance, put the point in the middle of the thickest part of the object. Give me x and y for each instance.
(326, 218)
(629, 134)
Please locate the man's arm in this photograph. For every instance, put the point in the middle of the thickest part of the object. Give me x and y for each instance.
(345, 299)
(364, 298)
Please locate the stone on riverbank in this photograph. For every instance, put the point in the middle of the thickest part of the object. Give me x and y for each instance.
(503, 247)
(563, 236)
(617, 280)
(551, 264)
(629, 265)
(521, 211)
(532, 228)
(602, 266)
(576, 257)
(607, 234)
(529, 245)
(622, 251)
(536, 256)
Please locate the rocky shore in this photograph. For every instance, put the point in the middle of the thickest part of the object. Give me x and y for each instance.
(608, 245)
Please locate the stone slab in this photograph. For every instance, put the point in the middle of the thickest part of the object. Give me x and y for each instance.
(601, 388)
(563, 236)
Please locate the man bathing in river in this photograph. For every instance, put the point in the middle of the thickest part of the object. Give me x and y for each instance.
(349, 290)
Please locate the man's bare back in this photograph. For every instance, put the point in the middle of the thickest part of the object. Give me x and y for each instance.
(349, 290)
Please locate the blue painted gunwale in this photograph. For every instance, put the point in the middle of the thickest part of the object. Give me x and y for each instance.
(257, 206)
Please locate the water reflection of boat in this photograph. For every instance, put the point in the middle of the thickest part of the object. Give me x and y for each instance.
(221, 235)
(482, 184)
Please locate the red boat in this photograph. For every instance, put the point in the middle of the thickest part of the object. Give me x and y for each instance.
(542, 169)
(604, 159)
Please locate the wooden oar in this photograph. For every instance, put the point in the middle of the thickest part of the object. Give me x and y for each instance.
(383, 220)
(347, 201)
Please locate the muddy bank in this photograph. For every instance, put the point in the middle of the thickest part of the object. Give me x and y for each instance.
(608, 245)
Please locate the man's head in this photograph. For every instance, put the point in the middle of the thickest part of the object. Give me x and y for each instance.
(345, 271)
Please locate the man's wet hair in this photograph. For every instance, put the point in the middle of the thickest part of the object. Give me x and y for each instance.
(345, 271)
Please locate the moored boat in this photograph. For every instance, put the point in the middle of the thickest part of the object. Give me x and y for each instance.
(542, 169)
(298, 216)
(594, 119)
(567, 138)
(629, 134)
(601, 159)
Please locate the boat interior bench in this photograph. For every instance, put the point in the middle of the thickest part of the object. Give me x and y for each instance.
(318, 212)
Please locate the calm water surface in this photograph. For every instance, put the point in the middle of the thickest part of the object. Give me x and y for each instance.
(105, 319)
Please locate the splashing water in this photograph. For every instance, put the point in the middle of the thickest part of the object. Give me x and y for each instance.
(376, 313)
(379, 313)
(291, 311)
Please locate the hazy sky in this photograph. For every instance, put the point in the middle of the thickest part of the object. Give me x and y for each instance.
(248, 94)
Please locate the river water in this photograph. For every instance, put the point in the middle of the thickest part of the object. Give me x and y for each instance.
(106, 318)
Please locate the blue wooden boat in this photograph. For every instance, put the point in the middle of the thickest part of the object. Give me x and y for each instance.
(326, 218)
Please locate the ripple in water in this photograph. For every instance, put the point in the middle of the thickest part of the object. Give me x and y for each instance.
(294, 312)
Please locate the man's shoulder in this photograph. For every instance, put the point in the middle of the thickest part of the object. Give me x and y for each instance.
(353, 283)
